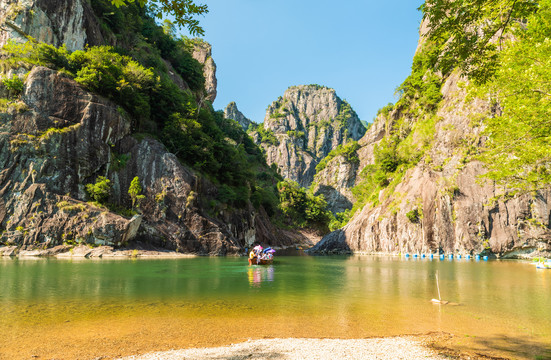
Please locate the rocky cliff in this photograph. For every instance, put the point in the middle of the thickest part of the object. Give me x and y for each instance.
(232, 112)
(63, 22)
(202, 52)
(303, 126)
(56, 137)
(437, 201)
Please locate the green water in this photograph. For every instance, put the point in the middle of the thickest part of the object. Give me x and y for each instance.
(503, 306)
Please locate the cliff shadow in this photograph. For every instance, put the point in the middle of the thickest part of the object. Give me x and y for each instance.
(527, 347)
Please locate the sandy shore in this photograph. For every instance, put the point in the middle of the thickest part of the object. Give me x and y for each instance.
(378, 348)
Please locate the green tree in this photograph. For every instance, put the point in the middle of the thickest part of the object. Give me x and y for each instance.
(100, 190)
(474, 30)
(518, 149)
(301, 206)
(183, 11)
(135, 192)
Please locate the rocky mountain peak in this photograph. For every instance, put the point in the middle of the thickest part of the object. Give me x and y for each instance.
(303, 126)
(232, 112)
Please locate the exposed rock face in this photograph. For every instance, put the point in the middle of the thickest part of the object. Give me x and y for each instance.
(57, 137)
(308, 122)
(59, 140)
(231, 112)
(335, 183)
(202, 52)
(458, 213)
(56, 22)
(64, 137)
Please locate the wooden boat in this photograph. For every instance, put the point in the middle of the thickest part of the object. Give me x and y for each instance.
(253, 261)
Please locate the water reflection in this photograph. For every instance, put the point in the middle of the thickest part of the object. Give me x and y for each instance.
(354, 296)
(257, 274)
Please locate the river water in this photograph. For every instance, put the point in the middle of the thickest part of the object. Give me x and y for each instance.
(90, 308)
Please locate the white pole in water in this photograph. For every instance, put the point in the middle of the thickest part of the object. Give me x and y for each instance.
(438, 287)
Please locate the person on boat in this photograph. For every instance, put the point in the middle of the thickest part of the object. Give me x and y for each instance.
(251, 257)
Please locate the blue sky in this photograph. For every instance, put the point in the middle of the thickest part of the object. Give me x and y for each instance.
(361, 48)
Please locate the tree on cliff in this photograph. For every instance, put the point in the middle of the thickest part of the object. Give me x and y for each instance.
(183, 11)
(135, 192)
(476, 30)
(518, 151)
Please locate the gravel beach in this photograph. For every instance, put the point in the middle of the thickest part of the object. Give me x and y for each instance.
(404, 348)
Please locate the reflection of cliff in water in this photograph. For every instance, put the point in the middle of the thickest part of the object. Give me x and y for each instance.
(258, 274)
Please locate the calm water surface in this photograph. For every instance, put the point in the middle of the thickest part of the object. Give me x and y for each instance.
(88, 308)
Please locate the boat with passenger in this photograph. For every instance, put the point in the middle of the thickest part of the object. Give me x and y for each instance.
(261, 256)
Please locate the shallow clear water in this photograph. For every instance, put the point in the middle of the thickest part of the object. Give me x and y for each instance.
(88, 308)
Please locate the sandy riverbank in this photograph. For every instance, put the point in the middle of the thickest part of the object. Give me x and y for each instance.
(376, 348)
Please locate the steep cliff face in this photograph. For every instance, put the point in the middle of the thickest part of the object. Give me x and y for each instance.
(202, 52)
(69, 22)
(56, 137)
(335, 182)
(51, 141)
(303, 126)
(442, 203)
(232, 112)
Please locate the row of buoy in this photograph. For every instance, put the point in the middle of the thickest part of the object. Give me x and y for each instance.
(450, 256)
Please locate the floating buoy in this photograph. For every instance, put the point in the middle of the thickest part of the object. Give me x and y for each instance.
(459, 256)
(415, 255)
(442, 257)
(485, 258)
(468, 257)
(432, 256)
(450, 256)
(407, 255)
(477, 257)
(423, 256)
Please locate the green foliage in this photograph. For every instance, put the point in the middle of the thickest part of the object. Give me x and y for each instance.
(340, 220)
(183, 11)
(469, 30)
(237, 196)
(348, 151)
(118, 161)
(139, 36)
(100, 190)
(68, 207)
(295, 134)
(386, 155)
(135, 192)
(414, 216)
(267, 136)
(422, 87)
(301, 206)
(518, 151)
(14, 85)
(99, 69)
(266, 198)
(136, 77)
(385, 110)
(345, 113)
